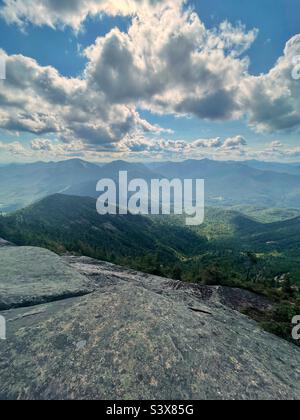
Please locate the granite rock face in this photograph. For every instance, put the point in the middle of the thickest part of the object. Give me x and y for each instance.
(29, 276)
(137, 336)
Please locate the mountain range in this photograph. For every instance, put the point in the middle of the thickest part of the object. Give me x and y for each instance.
(227, 183)
(288, 168)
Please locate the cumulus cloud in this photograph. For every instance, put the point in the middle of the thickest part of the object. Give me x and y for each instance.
(38, 100)
(167, 62)
(14, 148)
(234, 143)
(233, 39)
(54, 148)
(275, 146)
(272, 101)
(139, 144)
(208, 143)
(60, 13)
(277, 149)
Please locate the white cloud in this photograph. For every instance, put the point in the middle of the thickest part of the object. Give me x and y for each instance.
(134, 146)
(138, 144)
(272, 101)
(167, 62)
(56, 149)
(234, 143)
(14, 148)
(275, 146)
(233, 39)
(60, 13)
(40, 101)
(208, 143)
(278, 150)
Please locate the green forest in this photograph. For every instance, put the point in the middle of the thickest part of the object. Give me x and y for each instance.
(231, 248)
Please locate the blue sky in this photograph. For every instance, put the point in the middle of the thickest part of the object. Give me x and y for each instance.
(61, 47)
(277, 21)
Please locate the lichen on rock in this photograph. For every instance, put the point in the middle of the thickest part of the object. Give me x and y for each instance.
(137, 336)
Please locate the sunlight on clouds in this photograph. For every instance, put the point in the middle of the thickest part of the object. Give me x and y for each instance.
(72, 13)
(166, 63)
(162, 64)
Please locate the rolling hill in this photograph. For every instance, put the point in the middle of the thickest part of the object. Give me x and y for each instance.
(231, 235)
(229, 249)
(234, 229)
(67, 223)
(268, 215)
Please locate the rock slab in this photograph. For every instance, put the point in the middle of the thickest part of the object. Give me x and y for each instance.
(29, 276)
(141, 337)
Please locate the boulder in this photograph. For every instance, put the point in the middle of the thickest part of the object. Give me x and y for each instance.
(29, 276)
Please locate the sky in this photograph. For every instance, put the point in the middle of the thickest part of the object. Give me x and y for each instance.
(149, 80)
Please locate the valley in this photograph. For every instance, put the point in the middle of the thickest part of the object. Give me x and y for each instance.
(230, 249)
